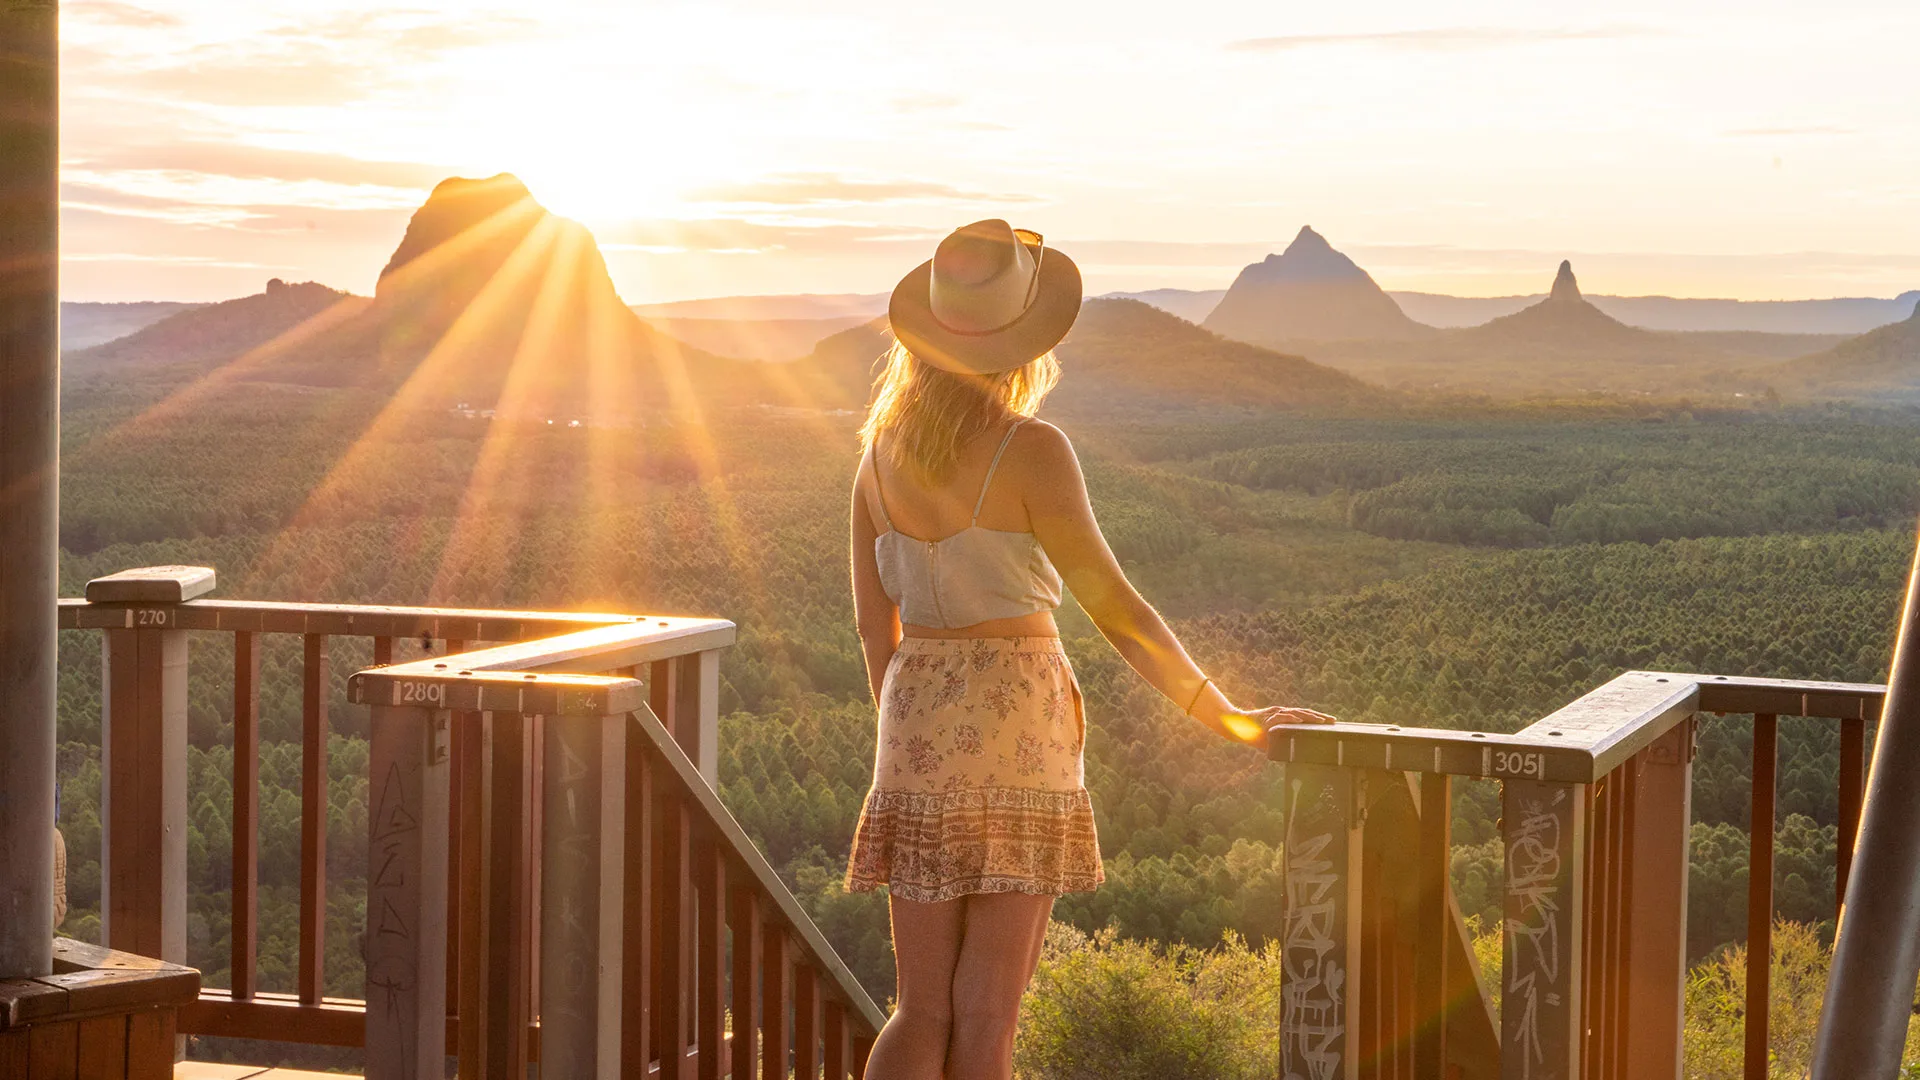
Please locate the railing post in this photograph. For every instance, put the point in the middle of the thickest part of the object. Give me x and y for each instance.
(143, 740)
(685, 694)
(29, 475)
(1434, 929)
(582, 878)
(1543, 829)
(1320, 922)
(406, 936)
(1656, 945)
(1760, 825)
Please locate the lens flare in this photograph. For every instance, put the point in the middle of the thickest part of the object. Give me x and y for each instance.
(1242, 727)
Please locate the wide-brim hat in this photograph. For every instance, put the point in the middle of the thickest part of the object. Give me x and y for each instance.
(991, 299)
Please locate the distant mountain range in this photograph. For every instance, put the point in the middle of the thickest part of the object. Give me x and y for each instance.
(492, 303)
(1847, 315)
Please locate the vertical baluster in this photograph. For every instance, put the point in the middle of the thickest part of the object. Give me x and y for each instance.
(710, 948)
(1853, 783)
(862, 1049)
(1760, 893)
(406, 930)
(776, 1002)
(636, 1048)
(313, 820)
(673, 926)
(1321, 921)
(747, 957)
(456, 866)
(1542, 1012)
(246, 812)
(1619, 979)
(581, 917)
(806, 1022)
(1433, 864)
(1592, 944)
(837, 1050)
(469, 933)
(506, 915)
(1654, 980)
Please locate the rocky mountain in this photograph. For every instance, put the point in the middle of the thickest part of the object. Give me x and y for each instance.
(1564, 322)
(1310, 292)
(1883, 364)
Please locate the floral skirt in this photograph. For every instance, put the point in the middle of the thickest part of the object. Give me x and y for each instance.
(978, 784)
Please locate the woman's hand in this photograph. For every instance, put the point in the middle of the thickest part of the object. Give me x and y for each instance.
(1250, 725)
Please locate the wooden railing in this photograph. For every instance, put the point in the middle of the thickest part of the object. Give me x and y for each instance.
(551, 877)
(1595, 814)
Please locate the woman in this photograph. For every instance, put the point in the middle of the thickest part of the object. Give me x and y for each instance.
(963, 507)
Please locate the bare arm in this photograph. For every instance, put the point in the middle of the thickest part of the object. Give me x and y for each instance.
(1062, 515)
(874, 616)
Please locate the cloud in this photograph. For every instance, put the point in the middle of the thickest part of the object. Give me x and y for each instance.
(256, 163)
(916, 103)
(1767, 132)
(117, 14)
(831, 189)
(1445, 38)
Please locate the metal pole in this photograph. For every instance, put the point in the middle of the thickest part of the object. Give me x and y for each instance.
(1876, 957)
(29, 475)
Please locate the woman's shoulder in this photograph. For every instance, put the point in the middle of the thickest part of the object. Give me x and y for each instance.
(1042, 452)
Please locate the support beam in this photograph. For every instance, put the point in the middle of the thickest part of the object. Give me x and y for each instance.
(29, 475)
(1876, 954)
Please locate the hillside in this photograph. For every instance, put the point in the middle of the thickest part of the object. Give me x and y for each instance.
(1310, 292)
(1193, 305)
(1847, 315)
(1125, 357)
(201, 337)
(754, 339)
(85, 324)
(1883, 363)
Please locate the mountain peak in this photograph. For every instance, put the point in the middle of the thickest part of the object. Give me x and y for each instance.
(1564, 286)
(460, 205)
(1307, 242)
(1309, 292)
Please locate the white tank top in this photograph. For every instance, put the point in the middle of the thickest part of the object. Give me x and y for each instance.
(970, 577)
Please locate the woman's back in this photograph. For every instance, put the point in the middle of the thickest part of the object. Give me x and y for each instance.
(952, 573)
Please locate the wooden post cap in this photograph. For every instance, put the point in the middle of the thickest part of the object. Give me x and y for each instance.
(151, 585)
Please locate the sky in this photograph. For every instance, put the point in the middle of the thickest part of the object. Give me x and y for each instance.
(1761, 149)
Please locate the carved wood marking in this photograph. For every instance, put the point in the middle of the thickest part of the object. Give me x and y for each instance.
(1313, 957)
(1542, 1006)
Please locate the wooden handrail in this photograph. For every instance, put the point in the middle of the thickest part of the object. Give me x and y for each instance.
(1595, 818)
(555, 669)
(1581, 742)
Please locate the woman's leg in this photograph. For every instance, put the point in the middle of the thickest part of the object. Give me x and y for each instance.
(998, 952)
(926, 944)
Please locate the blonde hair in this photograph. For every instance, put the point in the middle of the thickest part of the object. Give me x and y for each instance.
(930, 413)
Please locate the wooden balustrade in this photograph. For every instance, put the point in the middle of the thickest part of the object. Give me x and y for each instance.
(551, 877)
(1377, 977)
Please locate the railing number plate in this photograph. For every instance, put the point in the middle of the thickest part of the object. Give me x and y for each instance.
(423, 693)
(152, 617)
(1519, 763)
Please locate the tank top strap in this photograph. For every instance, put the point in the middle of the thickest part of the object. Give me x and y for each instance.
(984, 484)
(879, 493)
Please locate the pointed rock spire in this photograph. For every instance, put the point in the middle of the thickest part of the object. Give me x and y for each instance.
(1564, 286)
